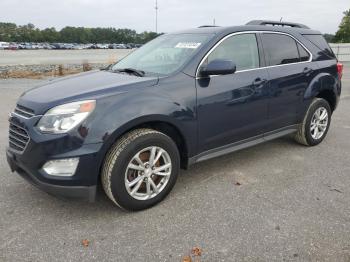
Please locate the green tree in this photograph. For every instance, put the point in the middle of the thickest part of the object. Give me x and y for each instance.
(144, 37)
(329, 38)
(50, 35)
(343, 33)
(7, 31)
(10, 32)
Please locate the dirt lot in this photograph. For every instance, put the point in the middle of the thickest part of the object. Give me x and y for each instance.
(292, 204)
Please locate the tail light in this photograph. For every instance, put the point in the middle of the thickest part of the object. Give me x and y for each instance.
(340, 69)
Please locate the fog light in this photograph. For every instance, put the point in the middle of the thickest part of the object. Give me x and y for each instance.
(61, 167)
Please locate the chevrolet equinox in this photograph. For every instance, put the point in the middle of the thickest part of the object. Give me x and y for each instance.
(182, 98)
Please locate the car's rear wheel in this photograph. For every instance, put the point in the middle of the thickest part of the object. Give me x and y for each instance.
(140, 169)
(315, 124)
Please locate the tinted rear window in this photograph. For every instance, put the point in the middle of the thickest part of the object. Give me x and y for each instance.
(280, 49)
(304, 55)
(321, 44)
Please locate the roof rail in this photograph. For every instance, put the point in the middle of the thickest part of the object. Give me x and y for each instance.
(203, 26)
(274, 23)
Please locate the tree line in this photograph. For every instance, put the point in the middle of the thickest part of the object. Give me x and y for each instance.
(10, 32)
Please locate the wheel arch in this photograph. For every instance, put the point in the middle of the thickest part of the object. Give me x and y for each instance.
(329, 96)
(324, 86)
(157, 122)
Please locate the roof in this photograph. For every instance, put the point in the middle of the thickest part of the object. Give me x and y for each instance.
(233, 29)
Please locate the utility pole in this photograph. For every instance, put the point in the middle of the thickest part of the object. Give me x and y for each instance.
(156, 16)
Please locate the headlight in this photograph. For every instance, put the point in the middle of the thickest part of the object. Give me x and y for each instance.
(63, 118)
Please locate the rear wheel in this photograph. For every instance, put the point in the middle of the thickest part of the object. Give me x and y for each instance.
(315, 124)
(140, 169)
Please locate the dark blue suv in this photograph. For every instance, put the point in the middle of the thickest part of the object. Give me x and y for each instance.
(182, 98)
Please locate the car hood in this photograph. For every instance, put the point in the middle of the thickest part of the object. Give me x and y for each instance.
(87, 85)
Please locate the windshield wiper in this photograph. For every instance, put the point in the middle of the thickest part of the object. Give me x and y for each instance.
(130, 71)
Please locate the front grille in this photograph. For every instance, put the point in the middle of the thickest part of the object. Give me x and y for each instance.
(24, 111)
(18, 137)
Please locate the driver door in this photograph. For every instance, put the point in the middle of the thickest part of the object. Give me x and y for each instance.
(232, 107)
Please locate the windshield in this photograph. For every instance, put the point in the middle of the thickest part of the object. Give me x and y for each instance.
(164, 55)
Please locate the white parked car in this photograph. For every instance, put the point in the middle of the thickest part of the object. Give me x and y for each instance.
(4, 45)
(102, 46)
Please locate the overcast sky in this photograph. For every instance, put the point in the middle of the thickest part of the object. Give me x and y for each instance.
(324, 15)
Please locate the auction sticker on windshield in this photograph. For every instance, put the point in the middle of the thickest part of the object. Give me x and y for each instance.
(191, 45)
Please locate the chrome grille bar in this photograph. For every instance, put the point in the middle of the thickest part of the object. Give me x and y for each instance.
(18, 137)
(24, 112)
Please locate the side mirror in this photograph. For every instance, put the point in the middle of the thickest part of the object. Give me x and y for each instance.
(218, 67)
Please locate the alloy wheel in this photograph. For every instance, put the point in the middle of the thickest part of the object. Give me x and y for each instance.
(148, 173)
(319, 123)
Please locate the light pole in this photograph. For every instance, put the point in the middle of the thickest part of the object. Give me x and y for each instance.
(156, 16)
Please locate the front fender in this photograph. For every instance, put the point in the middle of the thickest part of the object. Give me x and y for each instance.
(125, 111)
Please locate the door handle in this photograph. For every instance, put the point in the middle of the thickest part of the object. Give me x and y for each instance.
(259, 82)
(307, 71)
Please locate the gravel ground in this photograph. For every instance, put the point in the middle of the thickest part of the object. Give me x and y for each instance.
(42, 61)
(292, 205)
(49, 57)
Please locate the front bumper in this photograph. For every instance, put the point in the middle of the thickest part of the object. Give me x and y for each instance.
(65, 191)
(41, 148)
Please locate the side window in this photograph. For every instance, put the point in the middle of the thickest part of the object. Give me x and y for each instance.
(280, 49)
(321, 44)
(304, 55)
(241, 49)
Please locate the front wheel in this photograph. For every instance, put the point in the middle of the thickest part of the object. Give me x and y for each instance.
(140, 169)
(315, 124)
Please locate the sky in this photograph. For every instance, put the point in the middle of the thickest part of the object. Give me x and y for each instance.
(323, 15)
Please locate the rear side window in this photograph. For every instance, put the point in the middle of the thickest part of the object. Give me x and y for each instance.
(321, 44)
(304, 55)
(280, 49)
(241, 49)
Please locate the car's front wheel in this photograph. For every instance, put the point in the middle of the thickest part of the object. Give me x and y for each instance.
(316, 123)
(140, 169)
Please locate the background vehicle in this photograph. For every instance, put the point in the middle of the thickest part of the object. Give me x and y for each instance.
(4, 45)
(12, 46)
(70, 46)
(180, 99)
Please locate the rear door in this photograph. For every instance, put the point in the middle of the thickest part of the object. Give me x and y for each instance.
(290, 71)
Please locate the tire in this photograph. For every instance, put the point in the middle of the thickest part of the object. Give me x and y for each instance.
(118, 169)
(306, 132)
